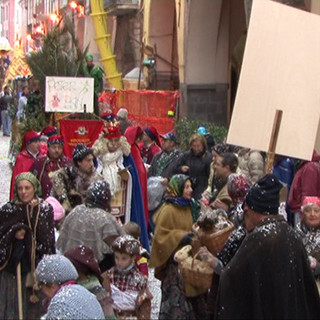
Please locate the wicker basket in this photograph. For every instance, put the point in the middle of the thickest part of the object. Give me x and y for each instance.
(216, 241)
(191, 275)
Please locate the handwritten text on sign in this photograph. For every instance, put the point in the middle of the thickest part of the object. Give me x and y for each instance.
(67, 94)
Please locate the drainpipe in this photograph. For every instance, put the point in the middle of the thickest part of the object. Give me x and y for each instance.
(103, 41)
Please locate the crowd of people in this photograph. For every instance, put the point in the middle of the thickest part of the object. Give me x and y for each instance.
(78, 236)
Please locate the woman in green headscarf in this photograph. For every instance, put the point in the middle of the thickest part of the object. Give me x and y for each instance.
(173, 223)
(26, 234)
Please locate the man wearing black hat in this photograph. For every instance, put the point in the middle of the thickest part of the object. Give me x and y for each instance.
(270, 276)
(69, 184)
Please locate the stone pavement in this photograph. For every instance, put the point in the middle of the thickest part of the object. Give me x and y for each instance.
(5, 169)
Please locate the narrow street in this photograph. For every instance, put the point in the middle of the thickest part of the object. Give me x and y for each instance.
(5, 176)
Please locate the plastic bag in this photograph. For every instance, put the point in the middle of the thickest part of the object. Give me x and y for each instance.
(155, 192)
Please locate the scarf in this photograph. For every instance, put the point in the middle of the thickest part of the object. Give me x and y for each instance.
(310, 238)
(29, 177)
(175, 190)
(125, 270)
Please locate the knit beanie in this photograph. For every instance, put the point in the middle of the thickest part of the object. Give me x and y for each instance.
(55, 269)
(80, 151)
(307, 201)
(55, 139)
(122, 113)
(74, 302)
(29, 177)
(49, 131)
(170, 136)
(263, 197)
(58, 210)
(29, 136)
(98, 195)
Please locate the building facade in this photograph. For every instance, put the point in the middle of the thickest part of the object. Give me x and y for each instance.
(195, 46)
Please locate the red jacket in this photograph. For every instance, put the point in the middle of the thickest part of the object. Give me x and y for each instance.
(142, 265)
(42, 168)
(306, 182)
(23, 163)
(147, 153)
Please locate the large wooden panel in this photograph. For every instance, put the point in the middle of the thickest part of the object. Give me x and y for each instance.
(281, 70)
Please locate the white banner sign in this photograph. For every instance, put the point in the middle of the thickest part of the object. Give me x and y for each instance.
(67, 94)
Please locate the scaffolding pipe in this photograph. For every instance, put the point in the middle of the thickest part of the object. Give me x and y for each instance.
(103, 41)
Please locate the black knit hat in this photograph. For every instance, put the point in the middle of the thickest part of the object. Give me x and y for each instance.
(98, 195)
(263, 197)
(80, 151)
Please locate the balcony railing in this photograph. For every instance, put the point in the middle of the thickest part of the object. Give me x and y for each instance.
(120, 7)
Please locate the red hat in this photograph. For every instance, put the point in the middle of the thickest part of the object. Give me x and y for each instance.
(49, 131)
(29, 137)
(153, 134)
(56, 139)
(84, 260)
(112, 132)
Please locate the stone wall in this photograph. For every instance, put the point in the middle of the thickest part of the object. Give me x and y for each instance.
(127, 43)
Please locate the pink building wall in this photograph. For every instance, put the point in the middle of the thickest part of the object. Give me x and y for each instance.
(8, 25)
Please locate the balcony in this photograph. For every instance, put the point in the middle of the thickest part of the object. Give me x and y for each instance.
(121, 7)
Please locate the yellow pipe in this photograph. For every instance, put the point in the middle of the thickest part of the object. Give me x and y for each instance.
(108, 59)
(112, 77)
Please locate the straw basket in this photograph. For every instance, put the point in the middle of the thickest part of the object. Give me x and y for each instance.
(192, 274)
(216, 241)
